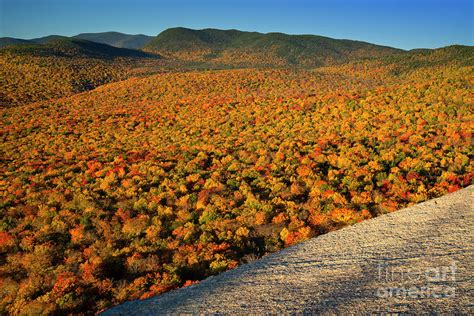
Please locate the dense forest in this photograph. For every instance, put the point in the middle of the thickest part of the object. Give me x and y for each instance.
(149, 184)
(27, 79)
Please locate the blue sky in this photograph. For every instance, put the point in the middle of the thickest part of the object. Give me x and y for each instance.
(400, 23)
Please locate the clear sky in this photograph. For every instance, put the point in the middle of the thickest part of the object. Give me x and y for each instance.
(400, 23)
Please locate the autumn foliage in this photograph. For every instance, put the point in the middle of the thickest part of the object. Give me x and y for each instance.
(25, 79)
(146, 185)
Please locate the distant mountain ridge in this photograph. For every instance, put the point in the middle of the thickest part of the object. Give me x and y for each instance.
(115, 39)
(71, 47)
(47, 39)
(10, 41)
(214, 48)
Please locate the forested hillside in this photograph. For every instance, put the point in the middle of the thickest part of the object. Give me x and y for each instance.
(251, 49)
(61, 67)
(149, 184)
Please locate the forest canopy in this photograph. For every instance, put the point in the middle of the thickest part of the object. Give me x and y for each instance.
(149, 184)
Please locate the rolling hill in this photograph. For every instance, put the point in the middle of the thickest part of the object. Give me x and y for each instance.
(256, 49)
(213, 48)
(79, 65)
(461, 54)
(63, 47)
(117, 39)
(10, 41)
(47, 39)
(62, 67)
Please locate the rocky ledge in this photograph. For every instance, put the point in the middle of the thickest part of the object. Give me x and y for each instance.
(418, 259)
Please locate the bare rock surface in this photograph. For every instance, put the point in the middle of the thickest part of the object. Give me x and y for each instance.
(419, 259)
